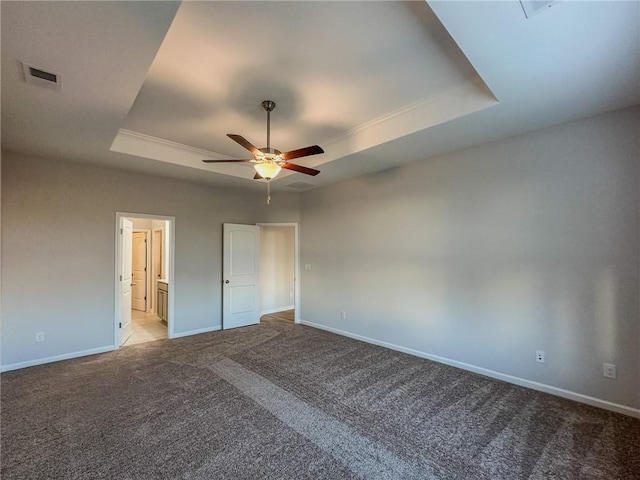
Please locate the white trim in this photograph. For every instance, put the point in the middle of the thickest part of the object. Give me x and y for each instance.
(197, 332)
(296, 260)
(171, 276)
(145, 140)
(170, 239)
(541, 387)
(421, 105)
(277, 310)
(154, 273)
(465, 99)
(147, 146)
(56, 358)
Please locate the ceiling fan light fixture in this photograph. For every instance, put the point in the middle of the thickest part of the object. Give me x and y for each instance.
(267, 170)
(268, 161)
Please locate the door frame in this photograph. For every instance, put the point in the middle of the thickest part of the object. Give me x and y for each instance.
(296, 260)
(147, 254)
(154, 272)
(171, 235)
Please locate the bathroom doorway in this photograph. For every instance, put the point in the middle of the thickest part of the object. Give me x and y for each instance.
(144, 270)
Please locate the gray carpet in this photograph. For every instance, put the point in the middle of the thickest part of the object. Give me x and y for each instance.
(282, 401)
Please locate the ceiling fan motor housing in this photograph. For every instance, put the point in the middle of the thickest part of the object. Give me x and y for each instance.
(269, 155)
(270, 151)
(268, 105)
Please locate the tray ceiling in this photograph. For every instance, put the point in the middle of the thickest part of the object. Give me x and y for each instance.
(156, 86)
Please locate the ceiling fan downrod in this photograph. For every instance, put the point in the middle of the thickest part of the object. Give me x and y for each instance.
(268, 105)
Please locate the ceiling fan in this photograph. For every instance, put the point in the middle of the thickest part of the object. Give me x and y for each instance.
(268, 161)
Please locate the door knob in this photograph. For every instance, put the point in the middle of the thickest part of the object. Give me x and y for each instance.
(132, 285)
(226, 281)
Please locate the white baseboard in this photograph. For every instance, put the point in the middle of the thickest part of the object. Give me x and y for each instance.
(55, 358)
(196, 332)
(277, 310)
(578, 397)
(93, 351)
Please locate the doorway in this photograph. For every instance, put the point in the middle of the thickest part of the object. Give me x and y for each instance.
(148, 253)
(279, 289)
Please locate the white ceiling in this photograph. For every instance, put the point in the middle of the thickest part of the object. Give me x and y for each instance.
(156, 86)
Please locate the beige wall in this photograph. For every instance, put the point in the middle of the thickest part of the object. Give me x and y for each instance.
(478, 257)
(58, 250)
(485, 255)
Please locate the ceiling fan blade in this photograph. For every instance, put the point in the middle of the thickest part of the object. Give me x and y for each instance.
(302, 152)
(227, 161)
(300, 169)
(257, 176)
(244, 142)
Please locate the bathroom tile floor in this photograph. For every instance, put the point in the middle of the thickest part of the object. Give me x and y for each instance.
(147, 327)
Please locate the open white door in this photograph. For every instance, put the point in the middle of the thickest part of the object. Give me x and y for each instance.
(240, 264)
(126, 233)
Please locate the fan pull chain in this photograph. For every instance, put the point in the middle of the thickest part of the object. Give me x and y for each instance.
(268, 192)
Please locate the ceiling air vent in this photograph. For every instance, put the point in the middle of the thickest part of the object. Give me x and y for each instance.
(300, 186)
(533, 7)
(42, 78)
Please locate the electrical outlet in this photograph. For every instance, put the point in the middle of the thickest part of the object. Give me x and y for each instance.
(343, 314)
(307, 267)
(609, 370)
(40, 337)
(540, 356)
